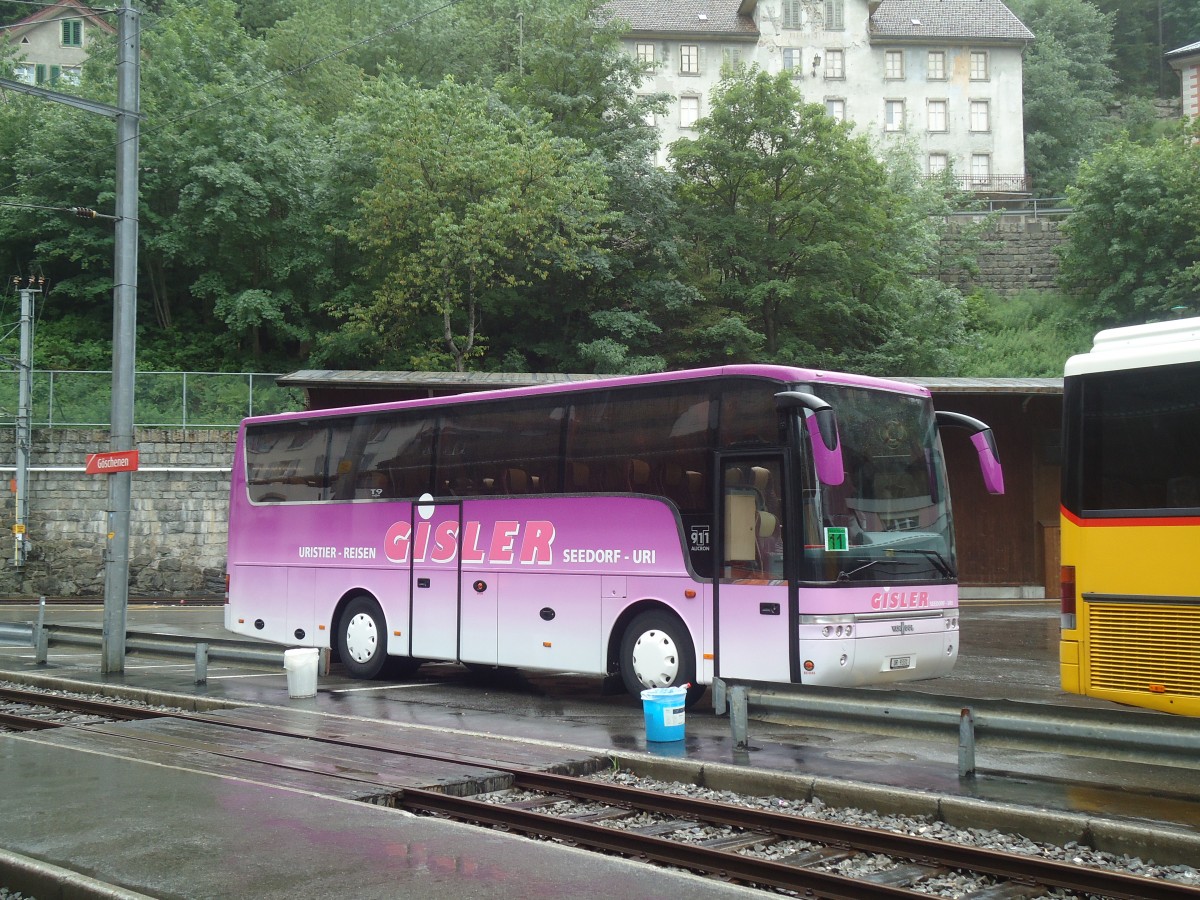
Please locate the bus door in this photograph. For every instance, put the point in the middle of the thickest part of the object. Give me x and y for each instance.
(755, 604)
(435, 579)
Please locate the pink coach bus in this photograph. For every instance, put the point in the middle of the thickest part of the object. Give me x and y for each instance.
(745, 522)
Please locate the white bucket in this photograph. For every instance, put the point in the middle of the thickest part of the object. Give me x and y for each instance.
(301, 668)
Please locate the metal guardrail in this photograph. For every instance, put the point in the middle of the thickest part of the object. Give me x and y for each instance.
(42, 636)
(1133, 736)
(1027, 207)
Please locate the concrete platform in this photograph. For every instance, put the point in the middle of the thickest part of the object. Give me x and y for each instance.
(125, 811)
(169, 832)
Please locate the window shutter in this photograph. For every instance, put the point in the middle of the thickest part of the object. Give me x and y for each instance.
(835, 14)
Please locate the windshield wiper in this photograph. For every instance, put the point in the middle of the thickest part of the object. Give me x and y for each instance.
(845, 576)
(939, 561)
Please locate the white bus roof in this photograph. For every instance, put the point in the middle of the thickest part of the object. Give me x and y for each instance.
(1140, 346)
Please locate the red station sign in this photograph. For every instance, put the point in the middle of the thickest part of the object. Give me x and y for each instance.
(114, 461)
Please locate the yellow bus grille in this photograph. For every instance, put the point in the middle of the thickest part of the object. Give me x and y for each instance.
(1144, 648)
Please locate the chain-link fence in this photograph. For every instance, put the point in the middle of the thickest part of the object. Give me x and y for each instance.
(161, 399)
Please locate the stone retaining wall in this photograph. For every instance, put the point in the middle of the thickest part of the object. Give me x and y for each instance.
(1018, 254)
(177, 517)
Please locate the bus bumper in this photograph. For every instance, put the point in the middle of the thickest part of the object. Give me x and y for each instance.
(928, 650)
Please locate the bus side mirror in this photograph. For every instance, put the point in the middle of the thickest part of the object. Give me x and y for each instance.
(822, 431)
(985, 445)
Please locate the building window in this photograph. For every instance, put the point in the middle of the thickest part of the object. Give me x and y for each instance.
(72, 32)
(731, 57)
(835, 108)
(71, 74)
(893, 115)
(936, 65)
(689, 111)
(648, 117)
(792, 62)
(938, 163)
(835, 15)
(980, 119)
(835, 64)
(793, 14)
(981, 169)
(893, 64)
(689, 59)
(937, 115)
(645, 53)
(979, 65)
(25, 72)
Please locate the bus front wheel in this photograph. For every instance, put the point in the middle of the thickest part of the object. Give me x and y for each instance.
(362, 638)
(656, 651)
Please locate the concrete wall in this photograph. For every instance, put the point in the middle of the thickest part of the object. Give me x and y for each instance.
(177, 520)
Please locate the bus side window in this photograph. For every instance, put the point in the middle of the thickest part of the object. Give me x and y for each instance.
(579, 478)
(373, 485)
(639, 476)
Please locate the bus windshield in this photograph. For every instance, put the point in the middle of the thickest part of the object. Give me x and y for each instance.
(889, 519)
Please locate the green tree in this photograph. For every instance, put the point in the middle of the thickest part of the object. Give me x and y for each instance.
(804, 239)
(613, 318)
(313, 45)
(1143, 31)
(1133, 249)
(1068, 84)
(1029, 335)
(232, 176)
(471, 201)
(231, 253)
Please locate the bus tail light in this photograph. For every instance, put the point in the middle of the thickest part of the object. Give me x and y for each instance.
(1066, 619)
(226, 588)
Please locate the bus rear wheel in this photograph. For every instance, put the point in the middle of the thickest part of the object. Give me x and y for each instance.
(362, 638)
(656, 651)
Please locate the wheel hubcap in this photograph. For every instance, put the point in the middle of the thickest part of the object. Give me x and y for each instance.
(362, 638)
(656, 659)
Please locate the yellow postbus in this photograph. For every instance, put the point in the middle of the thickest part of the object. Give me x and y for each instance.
(1131, 518)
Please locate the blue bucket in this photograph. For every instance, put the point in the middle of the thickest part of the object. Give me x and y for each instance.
(663, 709)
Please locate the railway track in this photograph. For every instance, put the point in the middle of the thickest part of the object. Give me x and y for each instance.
(661, 828)
(34, 711)
(594, 808)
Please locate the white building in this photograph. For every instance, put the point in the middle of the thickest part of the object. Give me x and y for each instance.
(943, 74)
(53, 42)
(1186, 61)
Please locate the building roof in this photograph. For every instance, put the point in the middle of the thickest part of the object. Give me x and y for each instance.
(988, 385)
(55, 12)
(977, 20)
(710, 18)
(1185, 51)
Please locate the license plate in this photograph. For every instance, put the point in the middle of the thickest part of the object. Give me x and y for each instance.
(901, 662)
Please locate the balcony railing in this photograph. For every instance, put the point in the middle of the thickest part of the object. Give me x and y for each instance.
(994, 184)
